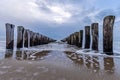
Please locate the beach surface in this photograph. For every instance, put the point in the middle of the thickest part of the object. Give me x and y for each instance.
(57, 61)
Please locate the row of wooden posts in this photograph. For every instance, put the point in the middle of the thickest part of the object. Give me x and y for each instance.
(77, 37)
(25, 37)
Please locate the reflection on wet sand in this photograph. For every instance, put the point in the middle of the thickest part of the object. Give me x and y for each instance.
(26, 55)
(30, 55)
(88, 61)
(60, 63)
(109, 64)
(92, 62)
(96, 64)
(9, 53)
(80, 59)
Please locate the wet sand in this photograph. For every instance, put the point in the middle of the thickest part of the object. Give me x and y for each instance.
(58, 62)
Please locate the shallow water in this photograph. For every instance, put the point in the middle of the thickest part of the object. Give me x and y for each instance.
(57, 61)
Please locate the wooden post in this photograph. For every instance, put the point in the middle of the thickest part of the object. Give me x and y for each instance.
(94, 31)
(42, 39)
(28, 32)
(9, 36)
(25, 38)
(31, 38)
(20, 31)
(77, 38)
(80, 38)
(71, 40)
(87, 37)
(39, 39)
(108, 34)
(74, 39)
(68, 39)
(35, 41)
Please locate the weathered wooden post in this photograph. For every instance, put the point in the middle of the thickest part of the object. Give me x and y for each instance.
(31, 38)
(28, 32)
(94, 31)
(42, 39)
(87, 37)
(39, 39)
(68, 40)
(35, 39)
(80, 38)
(108, 34)
(77, 38)
(71, 39)
(20, 31)
(74, 39)
(9, 36)
(45, 39)
(25, 38)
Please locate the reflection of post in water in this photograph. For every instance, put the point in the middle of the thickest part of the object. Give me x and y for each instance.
(8, 53)
(21, 55)
(87, 61)
(109, 64)
(96, 64)
(77, 58)
(80, 59)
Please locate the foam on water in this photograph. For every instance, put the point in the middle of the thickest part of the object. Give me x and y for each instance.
(57, 47)
(94, 53)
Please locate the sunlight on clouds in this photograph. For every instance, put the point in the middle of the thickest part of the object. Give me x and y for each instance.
(58, 19)
(62, 15)
(47, 11)
(60, 11)
(56, 14)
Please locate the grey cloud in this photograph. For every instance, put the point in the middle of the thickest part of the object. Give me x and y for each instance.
(38, 16)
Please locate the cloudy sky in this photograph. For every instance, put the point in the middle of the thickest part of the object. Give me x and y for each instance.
(57, 18)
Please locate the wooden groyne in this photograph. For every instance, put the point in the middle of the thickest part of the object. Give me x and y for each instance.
(25, 37)
(92, 35)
